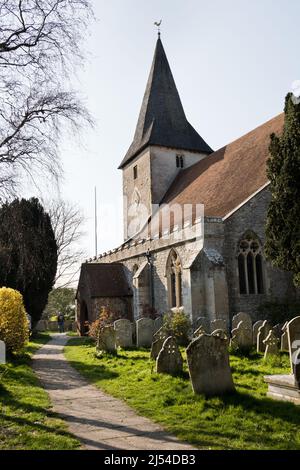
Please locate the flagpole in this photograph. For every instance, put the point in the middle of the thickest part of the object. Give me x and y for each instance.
(96, 227)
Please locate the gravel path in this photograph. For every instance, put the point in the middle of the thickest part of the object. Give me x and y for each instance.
(98, 420)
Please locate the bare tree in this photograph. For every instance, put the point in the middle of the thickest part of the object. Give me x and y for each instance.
(40, 43)
(67, 222)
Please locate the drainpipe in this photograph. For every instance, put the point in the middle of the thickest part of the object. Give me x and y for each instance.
(150, 264)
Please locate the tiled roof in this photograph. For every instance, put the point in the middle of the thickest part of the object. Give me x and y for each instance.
(225, 179)
(105, 280)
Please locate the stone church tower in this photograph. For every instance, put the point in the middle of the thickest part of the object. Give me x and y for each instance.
(164, 143)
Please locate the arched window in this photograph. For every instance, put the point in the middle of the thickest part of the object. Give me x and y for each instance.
(250, 265)
(174, 280)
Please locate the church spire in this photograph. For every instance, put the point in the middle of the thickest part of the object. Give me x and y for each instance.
(162, 121)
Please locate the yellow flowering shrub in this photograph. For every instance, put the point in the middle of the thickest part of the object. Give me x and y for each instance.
(14, 325)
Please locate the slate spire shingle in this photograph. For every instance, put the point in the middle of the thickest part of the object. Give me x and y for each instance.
(162, 120)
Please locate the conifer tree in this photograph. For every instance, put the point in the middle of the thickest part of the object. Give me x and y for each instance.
(28, 253)
(283, 169)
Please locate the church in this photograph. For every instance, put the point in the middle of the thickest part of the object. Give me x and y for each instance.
(194, 220)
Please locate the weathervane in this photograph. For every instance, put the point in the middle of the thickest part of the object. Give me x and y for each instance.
(158, 26)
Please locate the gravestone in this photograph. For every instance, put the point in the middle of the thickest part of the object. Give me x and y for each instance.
(271, 344)
(284, 344)
(222, 334)
(169, 359)
(297, 368)
(203, 322)
(241, 337)
(158, 340)
(2, 353)
(255, 329)
(158, 323)
(244, 317)
(293, 333)
(219, 324)
(133, 326)
(123, 331)
(106, 341)
(277, 329)
(208, 363)
(144, 332)
(263, 332)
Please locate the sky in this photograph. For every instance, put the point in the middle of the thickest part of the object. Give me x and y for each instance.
(233, 62)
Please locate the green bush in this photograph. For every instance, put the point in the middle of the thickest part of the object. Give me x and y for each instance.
(279, 312)
(14, 325)
(177, 323)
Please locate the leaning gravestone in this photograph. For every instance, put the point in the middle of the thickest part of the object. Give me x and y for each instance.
(106, 341)
(2, 353)
(262, 334)
(208, 362)
(219, 324)
(158, 323)
(271, 343)
(297, 368)
(241, 337)
(284, 345)
(169, 360)
(144, 332)
(255, 329)
(158, 340)
(244, 317)
(123, 331)
(293, 332)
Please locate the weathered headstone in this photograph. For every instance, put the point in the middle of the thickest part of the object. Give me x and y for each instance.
(2, 353)
(208, 362)
(271, 344)
(284, 343)
(169, 359)
(241, 337)
(106, 341)
(158, 340)
(263, 332)
(222, 334)
(244, 317)
(297, 368)
(219, 324)
(255, 329)
(277, 329)
(158, 323)
(123, 331)
(293, 332)
(202, 322)
(144, 332)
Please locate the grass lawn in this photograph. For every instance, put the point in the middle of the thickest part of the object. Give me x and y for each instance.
(26, 420)
(246, 419)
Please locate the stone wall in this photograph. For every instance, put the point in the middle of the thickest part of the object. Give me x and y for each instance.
(195, 288)
(278, 284)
